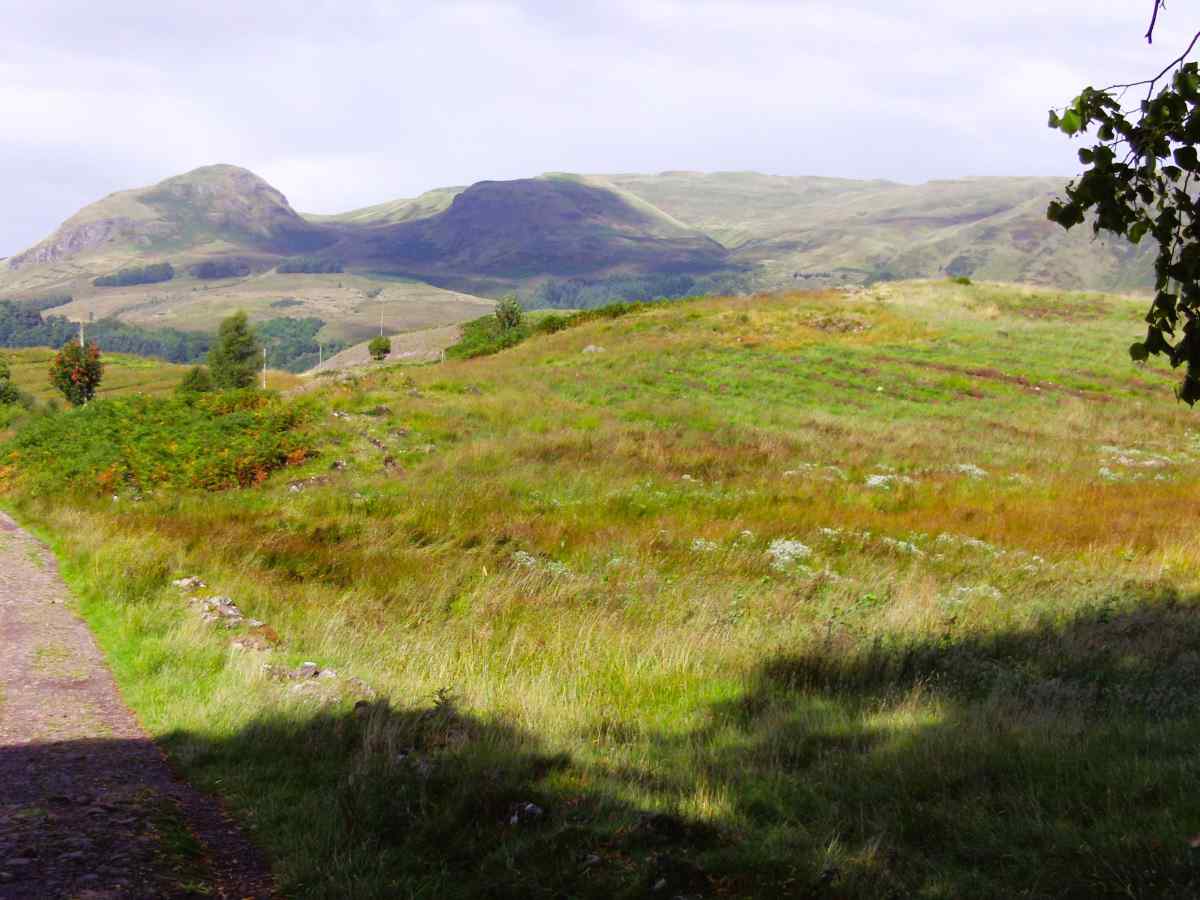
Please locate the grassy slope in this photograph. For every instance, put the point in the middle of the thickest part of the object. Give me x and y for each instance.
(971, 685)
(990, 228)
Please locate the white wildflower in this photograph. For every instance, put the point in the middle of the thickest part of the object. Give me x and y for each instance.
(784, 552)
(524, 560)
(971, 470)
(906, 547)
(700, 545)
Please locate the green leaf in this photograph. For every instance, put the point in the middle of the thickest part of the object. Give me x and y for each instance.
(1138, 230)
(1138, 352)
(1070, 123)
(1186, 157)
(1086, 156)
(1053, 119)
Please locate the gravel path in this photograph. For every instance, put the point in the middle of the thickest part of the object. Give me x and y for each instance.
(89, 808)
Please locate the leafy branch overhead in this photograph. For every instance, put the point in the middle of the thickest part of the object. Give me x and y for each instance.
(1141, 179)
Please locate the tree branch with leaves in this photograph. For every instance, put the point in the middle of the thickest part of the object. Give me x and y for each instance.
(1141, 179)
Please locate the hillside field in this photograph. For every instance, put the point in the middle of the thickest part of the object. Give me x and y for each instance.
(890, 593)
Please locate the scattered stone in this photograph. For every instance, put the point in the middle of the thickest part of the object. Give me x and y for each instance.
(191, 583)
(339, 465)
(523, 812)
(307, 670)
(251, 642)
(592, 348)
(222, 609)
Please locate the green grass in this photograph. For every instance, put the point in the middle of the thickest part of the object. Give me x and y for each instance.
(727, 601)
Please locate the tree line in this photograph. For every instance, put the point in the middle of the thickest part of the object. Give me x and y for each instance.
(151, 274)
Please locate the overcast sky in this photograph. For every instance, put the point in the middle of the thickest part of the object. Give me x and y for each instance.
(342, 104)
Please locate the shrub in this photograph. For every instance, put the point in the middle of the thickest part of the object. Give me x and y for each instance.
(551, 324)
(379, 348)
(509, 313)
(213, 442)
(196, 381)
(961, 279)
(8, 391)
(76, 371)
(234, 360)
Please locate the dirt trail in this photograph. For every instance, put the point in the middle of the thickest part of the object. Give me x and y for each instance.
(89, 808)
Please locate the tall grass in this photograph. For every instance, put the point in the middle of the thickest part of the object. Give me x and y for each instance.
(802, 595)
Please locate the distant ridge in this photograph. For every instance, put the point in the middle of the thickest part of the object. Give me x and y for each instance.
(768, 231)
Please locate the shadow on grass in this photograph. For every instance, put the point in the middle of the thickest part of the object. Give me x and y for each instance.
(1056, 761)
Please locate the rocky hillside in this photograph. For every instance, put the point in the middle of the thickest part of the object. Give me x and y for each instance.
(214, 204)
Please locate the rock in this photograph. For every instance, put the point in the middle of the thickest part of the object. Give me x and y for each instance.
(327, 673)
(592, 348)
(339, 465)
(523, 812)
(191, 583)
(307, 670)
(252, 643)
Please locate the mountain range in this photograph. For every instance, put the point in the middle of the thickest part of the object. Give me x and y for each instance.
(428, 260)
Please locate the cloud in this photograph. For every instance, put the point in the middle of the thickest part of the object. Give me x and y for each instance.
(343, 105)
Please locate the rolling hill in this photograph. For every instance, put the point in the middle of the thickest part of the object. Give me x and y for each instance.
(434, 260)
(825, 594)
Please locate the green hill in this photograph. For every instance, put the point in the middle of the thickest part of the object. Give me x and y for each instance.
(852, 594)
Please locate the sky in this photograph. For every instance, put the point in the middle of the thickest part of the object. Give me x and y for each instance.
(342, 105)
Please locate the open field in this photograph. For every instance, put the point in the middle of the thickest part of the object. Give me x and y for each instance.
(123, 374)
(888, 594)
(342, 300)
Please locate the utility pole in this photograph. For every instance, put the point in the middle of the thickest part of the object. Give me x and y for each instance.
(264, 368)
(320, 355)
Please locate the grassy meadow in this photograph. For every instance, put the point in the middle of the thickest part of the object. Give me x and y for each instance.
(886, 594)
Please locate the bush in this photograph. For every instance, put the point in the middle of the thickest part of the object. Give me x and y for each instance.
(551, 324)
(76, 371)
(214, 442)
(234, 360)
(152, 274)
(8, 391)
(961, 279)
(196, 381)
(509, 313)
(380, 348)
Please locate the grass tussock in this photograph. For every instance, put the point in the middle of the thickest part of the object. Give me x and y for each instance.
(806, 595)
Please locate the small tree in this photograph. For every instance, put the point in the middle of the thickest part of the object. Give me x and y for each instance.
(196, 381)
(380, 348)
(76, 371)
(509, 313)
(233, 360)
(8, 391)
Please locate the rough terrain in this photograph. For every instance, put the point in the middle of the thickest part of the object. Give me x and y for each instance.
(89, 807)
